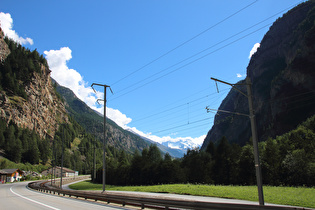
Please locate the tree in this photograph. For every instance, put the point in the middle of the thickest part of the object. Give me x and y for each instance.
(271, 162)
(136, 169)
(154, 154)
(45, 152)
(246, 165)
(33, 151)
(221, 168)
(211, 149)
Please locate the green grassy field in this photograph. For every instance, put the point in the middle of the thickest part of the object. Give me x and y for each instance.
(294, 196)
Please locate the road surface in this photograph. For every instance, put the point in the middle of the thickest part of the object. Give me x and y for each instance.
(18, 196)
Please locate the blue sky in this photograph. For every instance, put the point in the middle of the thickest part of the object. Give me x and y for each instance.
(157, 55)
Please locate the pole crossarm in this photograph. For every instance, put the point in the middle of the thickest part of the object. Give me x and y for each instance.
(218, 110)
(105, 86)
(233, 86)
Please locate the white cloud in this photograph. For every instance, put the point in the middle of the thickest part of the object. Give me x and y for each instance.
(70, 78)
(254, 50)
(239, 75)
(121, 119)
(7, 25)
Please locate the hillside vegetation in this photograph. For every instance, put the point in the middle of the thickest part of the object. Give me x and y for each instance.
(288, 160)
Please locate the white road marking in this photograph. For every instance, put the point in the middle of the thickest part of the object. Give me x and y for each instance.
(33, 200)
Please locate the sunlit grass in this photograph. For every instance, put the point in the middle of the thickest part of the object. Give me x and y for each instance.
(293, 196)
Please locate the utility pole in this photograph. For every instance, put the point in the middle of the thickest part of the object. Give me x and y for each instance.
(254, 134)
(61, 170)
(103, 172)
(255, 141)
(94, 165)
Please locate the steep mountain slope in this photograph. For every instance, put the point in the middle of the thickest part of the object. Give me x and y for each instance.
(27, 96)
(117, 136)
(282, 73)
(93, 122)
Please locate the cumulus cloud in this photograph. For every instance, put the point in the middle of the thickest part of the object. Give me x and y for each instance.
(70, 78)
(240, 75)
(254, 50)
(121, 119)
(7, 25)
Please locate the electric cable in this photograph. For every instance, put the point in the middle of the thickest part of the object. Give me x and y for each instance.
(200, 53)
(182, 44)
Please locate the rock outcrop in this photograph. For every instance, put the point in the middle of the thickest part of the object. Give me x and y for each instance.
(4, 49)
(42, 111)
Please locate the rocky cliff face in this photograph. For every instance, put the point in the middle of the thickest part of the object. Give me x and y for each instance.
(42, 110)
(4, 49)
(282, 74)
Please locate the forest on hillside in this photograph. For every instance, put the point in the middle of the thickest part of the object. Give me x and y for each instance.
(18, 68)
(288, 159)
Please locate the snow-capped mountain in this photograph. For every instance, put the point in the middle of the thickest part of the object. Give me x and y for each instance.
(175, 147)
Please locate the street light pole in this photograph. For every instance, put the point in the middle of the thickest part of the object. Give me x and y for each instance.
(254, 134)
(104, 143)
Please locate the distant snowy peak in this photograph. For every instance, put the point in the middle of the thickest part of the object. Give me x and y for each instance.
(182, 144)
(179, 144)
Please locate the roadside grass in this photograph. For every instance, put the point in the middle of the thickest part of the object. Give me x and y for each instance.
(293, 196)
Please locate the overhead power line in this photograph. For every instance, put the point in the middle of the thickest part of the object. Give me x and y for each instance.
(186, 124)
(187, 41)
(176, 107)
(189, 63)
(153, 80)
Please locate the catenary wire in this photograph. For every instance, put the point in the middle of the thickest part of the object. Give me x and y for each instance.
(189, 63)
(198, 54)
(182, 44)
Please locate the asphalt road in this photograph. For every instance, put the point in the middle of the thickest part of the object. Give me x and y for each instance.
(18, 196)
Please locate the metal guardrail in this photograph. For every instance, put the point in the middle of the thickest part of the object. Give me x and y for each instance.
(149, 202)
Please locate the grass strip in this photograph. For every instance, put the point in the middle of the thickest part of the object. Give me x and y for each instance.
(293, 196)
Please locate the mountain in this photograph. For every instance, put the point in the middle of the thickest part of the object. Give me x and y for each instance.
(93, 122)
(176, 152)
(283, 82)
(127, 140)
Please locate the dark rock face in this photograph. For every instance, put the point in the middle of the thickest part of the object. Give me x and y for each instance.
(282, 72)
